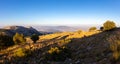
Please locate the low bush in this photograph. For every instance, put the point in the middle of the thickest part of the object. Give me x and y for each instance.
(92, 29)
(20, 52)
(18, 38)
(58, 54)
(79, 31)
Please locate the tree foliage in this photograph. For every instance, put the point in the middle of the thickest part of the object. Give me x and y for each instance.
(79, 31)
(92, 28)
(108, 25)
(18, 38)
(101, 28)
(34, 37)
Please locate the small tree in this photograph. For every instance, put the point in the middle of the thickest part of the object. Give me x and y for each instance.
(108, 25)
(20, 52)
(92, 29)
(79, 31)
(101, 28)
(18, 38)
(34, 37)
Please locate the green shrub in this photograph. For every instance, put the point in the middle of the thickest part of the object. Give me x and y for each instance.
(5, 41)
(79, 31)
(92, 29)
(20, 52)
(34, 37)
(108, 25)
(18, 38)
(58, 54)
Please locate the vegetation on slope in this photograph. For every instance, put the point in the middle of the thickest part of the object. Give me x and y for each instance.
(93, 47)
(108, 25)
(5, 41)
(18, 38)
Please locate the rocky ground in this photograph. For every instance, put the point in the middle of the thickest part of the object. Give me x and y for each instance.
(86, 48)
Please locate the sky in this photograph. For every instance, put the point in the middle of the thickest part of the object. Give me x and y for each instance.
(58, 12)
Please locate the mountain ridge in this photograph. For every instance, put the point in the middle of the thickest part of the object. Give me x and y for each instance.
(26, 31)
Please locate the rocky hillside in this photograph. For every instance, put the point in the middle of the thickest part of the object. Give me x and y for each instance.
(93, 47)
(11, 30)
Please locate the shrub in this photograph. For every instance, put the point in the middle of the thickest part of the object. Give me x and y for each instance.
(79, 31)
(58, 54)
(20, 52)
(108, 25)
(92, 29)
(18, 38)
(5, 41)
(34, 37)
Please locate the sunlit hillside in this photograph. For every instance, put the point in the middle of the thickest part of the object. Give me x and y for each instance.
(70, 35)
(45, 42)
(99, 46)
(59, 31)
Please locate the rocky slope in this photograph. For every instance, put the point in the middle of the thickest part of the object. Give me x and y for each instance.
(90, 48)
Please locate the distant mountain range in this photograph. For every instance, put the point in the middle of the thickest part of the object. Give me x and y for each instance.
(62, 28)
(27, 31)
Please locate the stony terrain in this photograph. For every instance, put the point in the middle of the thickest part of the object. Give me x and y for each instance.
(95, 47)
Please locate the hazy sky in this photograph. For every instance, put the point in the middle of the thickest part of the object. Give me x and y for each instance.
(58, 12)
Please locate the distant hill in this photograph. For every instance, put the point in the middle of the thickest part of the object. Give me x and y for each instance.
(11, 30)
(62, 28)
